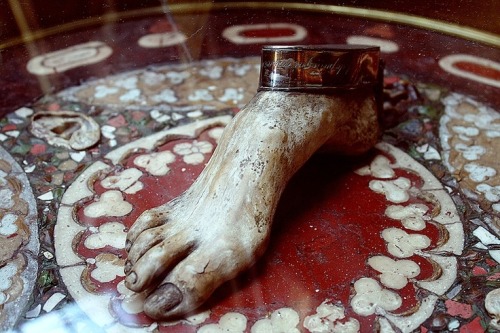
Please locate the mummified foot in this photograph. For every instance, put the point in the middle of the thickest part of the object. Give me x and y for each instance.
(182, 251)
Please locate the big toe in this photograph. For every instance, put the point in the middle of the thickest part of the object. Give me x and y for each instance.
(163, 300)
(191, 283)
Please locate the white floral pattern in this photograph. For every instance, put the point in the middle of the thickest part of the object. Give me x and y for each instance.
(126, 181)
(330, 318)
(370, 298)
(156, 163)
(108, 267)
(200, 95)
(403, 245)
(491, 193)
(110, 203)
(193, 153)
(479, 173)
(466, 129)
(231, 322)
(394, 273)
(102, 91)
(380, 167)
(8, 225)
(109, 234)
(213, 73)
(7, 273)
(394, 190)
(177, 77)
(412, 217)
(284, 320)
(166, 96)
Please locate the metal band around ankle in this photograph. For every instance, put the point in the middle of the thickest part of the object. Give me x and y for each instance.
(319, 67)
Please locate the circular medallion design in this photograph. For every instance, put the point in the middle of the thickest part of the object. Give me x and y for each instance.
(356, 243)
(19, 239)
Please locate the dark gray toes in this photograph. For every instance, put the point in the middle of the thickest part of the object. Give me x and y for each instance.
(165, 298)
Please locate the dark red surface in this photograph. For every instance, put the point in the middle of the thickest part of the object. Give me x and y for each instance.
(327, 225)
(484, 71)
(314, 257)
(273, 32)
(417, 59)
(41, 14)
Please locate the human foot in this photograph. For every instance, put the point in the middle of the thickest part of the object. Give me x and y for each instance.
(180, 252)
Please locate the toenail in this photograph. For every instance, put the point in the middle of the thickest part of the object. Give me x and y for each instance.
(165, 298)
(128, 267)
(128, 245)
(131, 278)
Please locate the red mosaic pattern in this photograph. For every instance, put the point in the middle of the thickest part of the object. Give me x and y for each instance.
(327, 226)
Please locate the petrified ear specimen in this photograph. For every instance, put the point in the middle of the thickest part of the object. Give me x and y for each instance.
(69, 129)
(309, 98)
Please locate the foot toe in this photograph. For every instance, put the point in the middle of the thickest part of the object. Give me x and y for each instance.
(165, 298)
(147, 240)
(195, 278)
(149, 219)
(157, 262)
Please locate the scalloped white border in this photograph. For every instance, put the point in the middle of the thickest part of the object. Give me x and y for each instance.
(71, 264)
(10, 310)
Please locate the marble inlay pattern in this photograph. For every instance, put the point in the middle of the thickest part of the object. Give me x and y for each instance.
(420, 234)
(18, 238)
(414, 274)
(270, 33)
(175, 89)
(107, 198)
(71, 57)
(470, 136)
(473, 68)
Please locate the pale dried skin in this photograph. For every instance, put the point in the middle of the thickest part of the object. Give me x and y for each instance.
(221, 224)
(68, 129)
